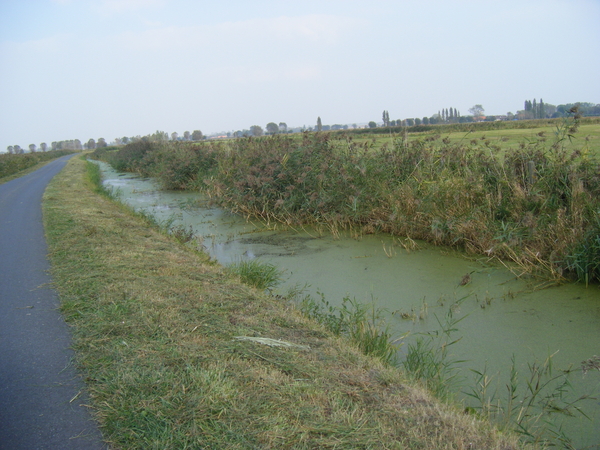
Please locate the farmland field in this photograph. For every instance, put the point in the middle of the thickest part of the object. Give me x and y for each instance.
(588, 136)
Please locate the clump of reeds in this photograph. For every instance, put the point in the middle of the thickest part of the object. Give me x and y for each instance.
(532, 403)
(176, 165)
(541, 199)
(428, 358)
(256, 273)
(362, 324)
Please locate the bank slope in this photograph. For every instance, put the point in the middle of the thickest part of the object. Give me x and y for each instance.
(157, 331)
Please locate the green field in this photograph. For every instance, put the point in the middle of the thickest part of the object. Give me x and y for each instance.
(588, 136)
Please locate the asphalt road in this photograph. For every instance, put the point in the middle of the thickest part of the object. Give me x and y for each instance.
(42, 403)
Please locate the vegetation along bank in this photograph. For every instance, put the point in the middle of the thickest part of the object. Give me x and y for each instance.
(535, 205)
(15, 164)
(178, 353)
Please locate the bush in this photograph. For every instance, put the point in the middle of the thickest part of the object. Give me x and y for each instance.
(11, 164)
(537, 205)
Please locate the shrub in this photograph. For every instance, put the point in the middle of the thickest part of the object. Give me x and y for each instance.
(11, 164)
(542, 199)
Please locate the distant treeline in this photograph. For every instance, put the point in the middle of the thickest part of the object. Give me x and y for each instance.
(472, 126)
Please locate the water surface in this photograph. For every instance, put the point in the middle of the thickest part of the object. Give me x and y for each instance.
(502, 316)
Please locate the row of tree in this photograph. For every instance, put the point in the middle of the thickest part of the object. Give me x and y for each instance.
(445, 115)
(16, 149)
(540, 110)
(73, 144)
(532, 110)
(162, 136)
(91, 144)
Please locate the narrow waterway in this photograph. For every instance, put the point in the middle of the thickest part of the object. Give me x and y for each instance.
(502, 316)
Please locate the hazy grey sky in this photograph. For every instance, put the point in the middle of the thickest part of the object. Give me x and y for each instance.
(81, 69)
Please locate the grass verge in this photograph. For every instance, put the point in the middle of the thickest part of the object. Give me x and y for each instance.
(177, 353)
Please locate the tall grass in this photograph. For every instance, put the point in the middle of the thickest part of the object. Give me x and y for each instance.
(93, 176)
(256, 273)
(536, 205)
(362, 324)
(533, 403)
(429, 358)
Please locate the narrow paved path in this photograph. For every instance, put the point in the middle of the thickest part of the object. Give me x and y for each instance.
(41, 401)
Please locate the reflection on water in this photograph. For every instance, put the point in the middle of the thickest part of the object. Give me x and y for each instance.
(505, 316)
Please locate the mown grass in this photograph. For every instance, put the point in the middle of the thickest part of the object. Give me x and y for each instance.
(161, 336)
(12, 166)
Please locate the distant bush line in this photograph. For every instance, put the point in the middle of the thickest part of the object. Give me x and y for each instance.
(537, 206)
(11, 164)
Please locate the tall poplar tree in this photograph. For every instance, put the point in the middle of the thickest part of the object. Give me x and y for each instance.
(386, 118)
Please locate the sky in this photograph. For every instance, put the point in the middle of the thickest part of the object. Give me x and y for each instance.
(81, 69)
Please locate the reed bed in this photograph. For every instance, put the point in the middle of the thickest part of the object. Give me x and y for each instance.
(536, 207)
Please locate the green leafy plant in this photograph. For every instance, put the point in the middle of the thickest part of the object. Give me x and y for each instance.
(256, 273)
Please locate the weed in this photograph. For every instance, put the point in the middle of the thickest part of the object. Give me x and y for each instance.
(428, 358)
(182, 234)
(362, 324)
(256, 273)
(531, 406)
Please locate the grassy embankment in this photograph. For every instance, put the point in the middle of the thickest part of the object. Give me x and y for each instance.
(167, 342)
(534, 202)
(12, 166)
